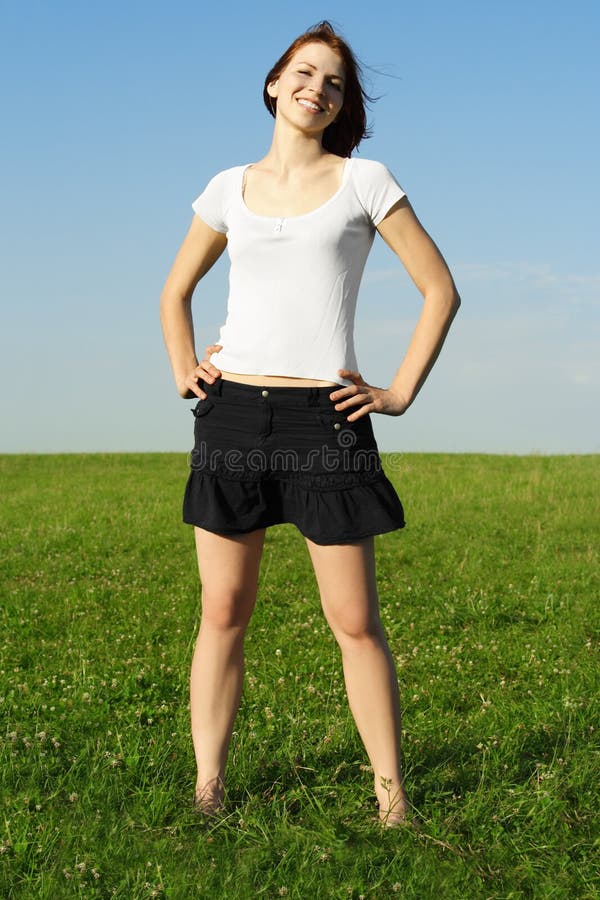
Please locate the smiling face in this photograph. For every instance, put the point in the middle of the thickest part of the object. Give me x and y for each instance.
(310, 89)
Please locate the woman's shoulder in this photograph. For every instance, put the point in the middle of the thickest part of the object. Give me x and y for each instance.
(226, 176)
(369, 167)
(218, 196)
(375, 187)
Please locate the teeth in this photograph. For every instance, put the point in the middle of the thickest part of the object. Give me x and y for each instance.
(309, 105)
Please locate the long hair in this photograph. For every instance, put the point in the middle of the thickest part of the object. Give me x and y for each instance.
(350, 126)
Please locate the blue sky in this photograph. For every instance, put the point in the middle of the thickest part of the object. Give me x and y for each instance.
(115, 116)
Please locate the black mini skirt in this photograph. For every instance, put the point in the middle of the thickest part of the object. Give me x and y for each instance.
(267, 455)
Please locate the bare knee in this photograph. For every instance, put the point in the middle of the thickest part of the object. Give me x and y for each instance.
(354, 634)
(227, 610)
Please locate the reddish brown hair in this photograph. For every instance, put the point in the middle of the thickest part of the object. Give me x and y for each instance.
(350, 126)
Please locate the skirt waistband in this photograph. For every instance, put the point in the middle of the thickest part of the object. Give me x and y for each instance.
(302, 397)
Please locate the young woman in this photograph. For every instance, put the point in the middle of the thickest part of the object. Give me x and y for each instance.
(282, 428)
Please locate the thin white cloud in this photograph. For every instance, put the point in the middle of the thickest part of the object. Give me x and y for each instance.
(538, 274)
(571, 287)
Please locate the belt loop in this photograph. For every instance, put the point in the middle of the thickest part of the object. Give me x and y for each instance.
(313, 396)
(218, 387)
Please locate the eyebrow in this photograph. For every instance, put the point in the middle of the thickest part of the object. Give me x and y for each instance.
(305, 63)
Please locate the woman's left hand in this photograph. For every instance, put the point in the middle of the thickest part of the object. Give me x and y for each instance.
(361, 398)
(206, 370)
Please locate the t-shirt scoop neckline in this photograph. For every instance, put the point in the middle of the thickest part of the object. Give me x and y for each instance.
(312, 212)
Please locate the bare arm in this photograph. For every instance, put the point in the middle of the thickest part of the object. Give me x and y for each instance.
(199, 251)
(405, 235)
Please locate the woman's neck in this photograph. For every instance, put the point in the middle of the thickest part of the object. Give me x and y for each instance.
(292, 150)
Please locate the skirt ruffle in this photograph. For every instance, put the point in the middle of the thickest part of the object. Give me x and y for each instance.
(323, 513)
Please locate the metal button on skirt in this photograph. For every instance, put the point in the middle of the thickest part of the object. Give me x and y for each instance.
(266, 455)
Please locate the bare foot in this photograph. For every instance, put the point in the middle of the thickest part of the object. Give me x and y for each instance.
(208, 797)
(393, 802)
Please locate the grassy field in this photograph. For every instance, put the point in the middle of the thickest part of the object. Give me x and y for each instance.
(490, 600)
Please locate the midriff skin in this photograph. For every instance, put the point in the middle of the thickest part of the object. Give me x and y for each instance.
(275, 380)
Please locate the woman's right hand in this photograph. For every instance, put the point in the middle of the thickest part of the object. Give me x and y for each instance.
(205, 371)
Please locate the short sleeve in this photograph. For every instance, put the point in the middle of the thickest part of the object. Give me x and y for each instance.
(378, 189)
(211, 205)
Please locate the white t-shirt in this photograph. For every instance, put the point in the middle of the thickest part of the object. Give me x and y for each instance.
(293, 281)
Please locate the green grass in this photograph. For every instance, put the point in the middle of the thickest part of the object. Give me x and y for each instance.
(490, 600)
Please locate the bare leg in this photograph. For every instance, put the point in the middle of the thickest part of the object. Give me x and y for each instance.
(229, 568)
(346, 578)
